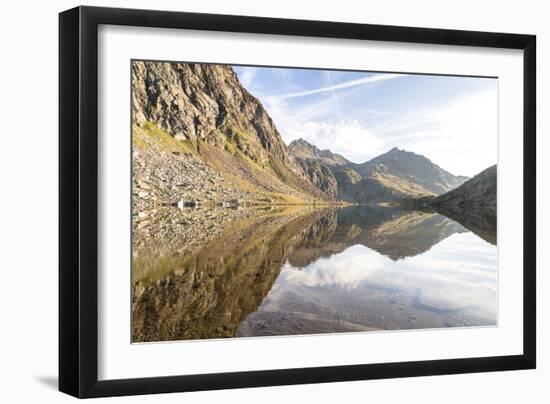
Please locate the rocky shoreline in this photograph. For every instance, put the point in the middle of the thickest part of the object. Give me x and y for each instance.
(177, 178)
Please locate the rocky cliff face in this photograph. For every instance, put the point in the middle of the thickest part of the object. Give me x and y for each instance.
(473, 204)
(321, 176)
(206, 107)
(347, 179)
(206, 102)
(318, 165)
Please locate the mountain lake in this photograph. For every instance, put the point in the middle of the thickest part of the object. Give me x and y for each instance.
(266, 271)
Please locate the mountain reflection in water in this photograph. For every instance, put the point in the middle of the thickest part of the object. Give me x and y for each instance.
(310, 271)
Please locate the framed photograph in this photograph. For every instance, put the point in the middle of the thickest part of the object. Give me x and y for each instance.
(251, 201)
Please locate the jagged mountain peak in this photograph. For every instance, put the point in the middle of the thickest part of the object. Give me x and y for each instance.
(408, 167)
(302, 142)
(401, 153)
(302, 149)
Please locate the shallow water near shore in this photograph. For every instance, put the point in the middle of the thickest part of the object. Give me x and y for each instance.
(305, 270)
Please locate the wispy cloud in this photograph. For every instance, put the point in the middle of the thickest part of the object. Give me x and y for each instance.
(460, 136)
(463, 130)
(346, 137)
(463, 282)
(247, 76)
(450, 120)
(339, 86)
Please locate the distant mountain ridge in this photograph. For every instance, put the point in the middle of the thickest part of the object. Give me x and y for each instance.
(413, 168)
(395, 175)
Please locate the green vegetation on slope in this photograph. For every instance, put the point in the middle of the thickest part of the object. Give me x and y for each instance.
(149, 135)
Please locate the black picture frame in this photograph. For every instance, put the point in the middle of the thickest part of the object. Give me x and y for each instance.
(78, 201)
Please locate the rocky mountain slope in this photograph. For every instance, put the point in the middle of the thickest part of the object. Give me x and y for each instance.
(318, 165)
(480, 191)
(408, 173)
(473, 204)
(202, 116)
(395, 175)
(321, 176)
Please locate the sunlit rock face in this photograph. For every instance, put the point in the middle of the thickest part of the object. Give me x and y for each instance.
(206, 102)
(222, 125)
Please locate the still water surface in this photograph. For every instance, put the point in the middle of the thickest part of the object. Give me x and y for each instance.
(318, 271)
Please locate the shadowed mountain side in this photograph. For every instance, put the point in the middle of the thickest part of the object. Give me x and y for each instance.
(321, 176)
(473, 204)
(346, 179)
(207, 293)
(375, 189)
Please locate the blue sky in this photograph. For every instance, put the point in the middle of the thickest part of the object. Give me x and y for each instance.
(450, 120)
